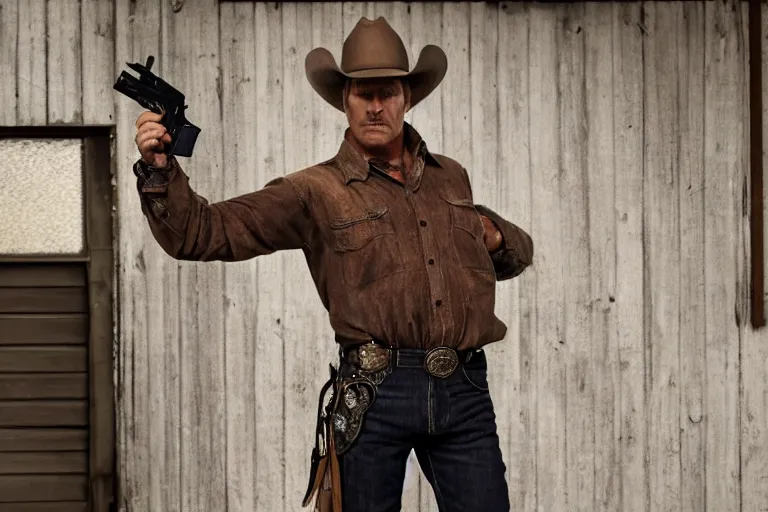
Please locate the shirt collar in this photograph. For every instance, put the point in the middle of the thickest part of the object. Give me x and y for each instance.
(355, 168)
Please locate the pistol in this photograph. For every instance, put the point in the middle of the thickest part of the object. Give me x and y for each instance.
(157, 95)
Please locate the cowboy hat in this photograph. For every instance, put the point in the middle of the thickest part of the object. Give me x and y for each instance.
(374, 50)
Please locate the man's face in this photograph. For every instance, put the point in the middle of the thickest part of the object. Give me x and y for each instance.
(375, 110)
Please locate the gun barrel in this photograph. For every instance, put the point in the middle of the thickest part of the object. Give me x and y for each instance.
(128, 85)
(145, 96)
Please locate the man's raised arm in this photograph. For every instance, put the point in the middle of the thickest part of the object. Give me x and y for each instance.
(187, 227)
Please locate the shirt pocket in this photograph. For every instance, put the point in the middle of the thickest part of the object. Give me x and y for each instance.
(367, 246)
(467, 236)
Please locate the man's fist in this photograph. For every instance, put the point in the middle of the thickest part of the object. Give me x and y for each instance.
(492, 236)
(151, 137)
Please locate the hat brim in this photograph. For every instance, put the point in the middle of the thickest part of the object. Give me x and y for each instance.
(328, 80)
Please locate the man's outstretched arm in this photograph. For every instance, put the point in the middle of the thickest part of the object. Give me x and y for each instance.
(187, 227)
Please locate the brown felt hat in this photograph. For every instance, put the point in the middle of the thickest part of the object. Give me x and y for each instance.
(374, 50)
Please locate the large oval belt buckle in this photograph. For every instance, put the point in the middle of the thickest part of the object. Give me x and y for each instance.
(441, 362)
(372, 357)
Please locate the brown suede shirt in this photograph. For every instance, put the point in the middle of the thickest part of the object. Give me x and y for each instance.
(402, 264)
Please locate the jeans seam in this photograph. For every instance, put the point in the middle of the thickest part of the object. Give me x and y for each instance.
(431, 426)
(438, 493)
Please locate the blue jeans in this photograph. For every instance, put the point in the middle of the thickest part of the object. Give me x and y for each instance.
(450, 424)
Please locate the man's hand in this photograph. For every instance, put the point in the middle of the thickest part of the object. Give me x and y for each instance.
(151, 137)
(492, 236)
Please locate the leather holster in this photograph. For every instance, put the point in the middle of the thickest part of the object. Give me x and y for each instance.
(324, 475)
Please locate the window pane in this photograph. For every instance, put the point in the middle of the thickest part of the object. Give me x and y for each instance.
(41, 196)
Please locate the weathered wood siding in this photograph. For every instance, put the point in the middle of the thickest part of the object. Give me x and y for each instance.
(615, 133)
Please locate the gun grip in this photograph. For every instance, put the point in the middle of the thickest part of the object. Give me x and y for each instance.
(185, 142)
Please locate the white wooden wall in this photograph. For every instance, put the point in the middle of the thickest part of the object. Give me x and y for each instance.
(616, 134)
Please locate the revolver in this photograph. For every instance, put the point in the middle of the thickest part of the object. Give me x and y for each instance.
(157, 95)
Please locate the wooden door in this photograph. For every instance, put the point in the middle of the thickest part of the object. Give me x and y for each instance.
(56, 329)
(44, 419)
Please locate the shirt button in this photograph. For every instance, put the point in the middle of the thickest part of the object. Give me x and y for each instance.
(438, 303)
(423, 223)
(431, 261)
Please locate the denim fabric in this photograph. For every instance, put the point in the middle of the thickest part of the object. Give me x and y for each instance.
(451, 425)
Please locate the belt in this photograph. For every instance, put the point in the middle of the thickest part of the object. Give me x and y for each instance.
(439, 362)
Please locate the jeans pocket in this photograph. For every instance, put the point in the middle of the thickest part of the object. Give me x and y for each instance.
(477, 377)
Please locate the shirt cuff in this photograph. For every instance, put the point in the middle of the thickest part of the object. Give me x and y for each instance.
(153, 180)
(152, 185)
(510, 259)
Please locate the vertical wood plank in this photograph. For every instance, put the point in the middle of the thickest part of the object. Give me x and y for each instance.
(744, 214)
(514, 194)
(628, 167)
(547, 273)
(350, 15)
(31, 71)
(426, 19)
(192, 65)
(161, 353)
(723, 159)
(576, 339)
(662, 241)
(9, 31)
(98, 60)
(137, 34)
(304, 318)
(241, 287)
(457, 127)
(64, 62)
(692, 313)
(328, 123)
(270, 349)
(601, 219)
(492, 188)
(482, 97)
(754, 364)
(411, 498)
